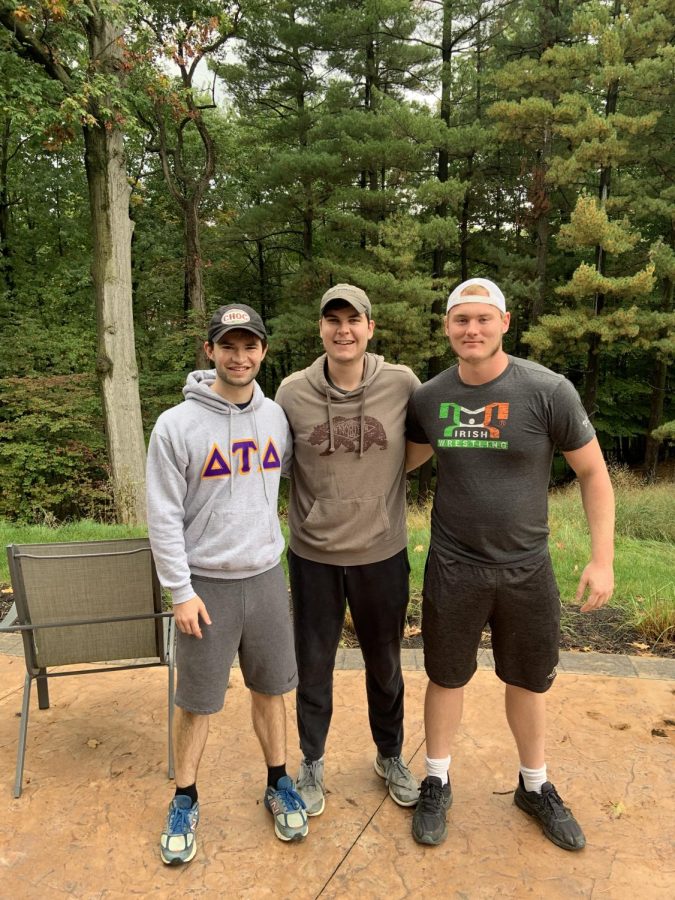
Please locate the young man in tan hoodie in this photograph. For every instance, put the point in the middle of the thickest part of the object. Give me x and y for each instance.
(348, 542)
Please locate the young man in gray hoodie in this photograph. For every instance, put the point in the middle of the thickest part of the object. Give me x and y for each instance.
(214, 463)
(347, 518)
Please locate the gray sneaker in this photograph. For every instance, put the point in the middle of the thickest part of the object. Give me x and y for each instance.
(403, 788)
(309, 784)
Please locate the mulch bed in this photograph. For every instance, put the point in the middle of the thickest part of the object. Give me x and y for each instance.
(602, 631)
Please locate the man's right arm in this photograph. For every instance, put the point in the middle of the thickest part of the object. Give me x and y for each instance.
(416, 455)
(187, 614)
(417, 448)
(166, 490)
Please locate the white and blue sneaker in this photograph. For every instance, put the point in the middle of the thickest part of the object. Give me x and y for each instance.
(178, 844)
(288, 810)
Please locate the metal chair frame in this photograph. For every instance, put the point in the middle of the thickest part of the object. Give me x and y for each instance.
(22, 619)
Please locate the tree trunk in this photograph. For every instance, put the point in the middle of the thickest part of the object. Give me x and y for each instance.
(658, 393)
(464, 222)
(5, 249)
(593, 360)
(111, 245)
(655, 419)
(111, 272)
(542, 206)
(194, 300)
(550, 25)
(435, 364)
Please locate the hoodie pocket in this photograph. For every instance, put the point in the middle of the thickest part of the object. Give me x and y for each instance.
(247, 539)
(343, 525)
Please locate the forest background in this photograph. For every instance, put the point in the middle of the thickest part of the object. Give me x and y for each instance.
(158, 159)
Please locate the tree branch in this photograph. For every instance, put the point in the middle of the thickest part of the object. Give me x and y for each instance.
(33, 49)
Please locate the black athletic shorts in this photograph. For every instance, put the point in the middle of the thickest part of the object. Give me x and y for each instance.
(521, 605)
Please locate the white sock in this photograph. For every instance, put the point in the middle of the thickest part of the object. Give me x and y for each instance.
(533, 778)
(438, 767)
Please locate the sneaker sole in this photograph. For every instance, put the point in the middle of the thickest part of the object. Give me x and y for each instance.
(429, 839)
(316, 812)
(522, 805)
(299, 836)
(176, 861)
(404, 803)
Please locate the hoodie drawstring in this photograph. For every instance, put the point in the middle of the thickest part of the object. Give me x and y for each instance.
(362, 424)
(264, 480)
(331, 442)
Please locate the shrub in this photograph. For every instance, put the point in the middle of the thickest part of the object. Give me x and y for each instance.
(52, 449)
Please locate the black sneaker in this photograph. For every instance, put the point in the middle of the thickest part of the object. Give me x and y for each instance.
(555, 818)
(429, 826)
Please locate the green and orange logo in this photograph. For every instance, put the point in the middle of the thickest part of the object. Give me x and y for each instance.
(474, 427)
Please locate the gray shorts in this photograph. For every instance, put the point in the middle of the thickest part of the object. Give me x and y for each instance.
(521, 605)
(250, 616)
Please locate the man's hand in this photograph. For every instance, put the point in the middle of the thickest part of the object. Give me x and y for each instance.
(186, 616)
(599, 581)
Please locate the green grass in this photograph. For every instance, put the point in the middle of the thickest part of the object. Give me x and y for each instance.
(83, 530)
(644, 566)
(645, 549)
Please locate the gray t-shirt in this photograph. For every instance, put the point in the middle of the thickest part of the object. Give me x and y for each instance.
(494, 443)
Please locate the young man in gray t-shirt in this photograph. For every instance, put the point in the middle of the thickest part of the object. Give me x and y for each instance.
(494, 422)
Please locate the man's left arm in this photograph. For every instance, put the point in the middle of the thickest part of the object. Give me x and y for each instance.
(598, 499)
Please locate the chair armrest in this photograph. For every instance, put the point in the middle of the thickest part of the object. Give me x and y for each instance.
(70, 622)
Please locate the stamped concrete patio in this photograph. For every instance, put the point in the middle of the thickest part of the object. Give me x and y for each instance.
(96, 791)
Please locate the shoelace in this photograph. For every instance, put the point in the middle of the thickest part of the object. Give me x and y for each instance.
(310, 778)
(430, 795)
(289, 800)
(396, 767)
(554, 802)
(179, 821)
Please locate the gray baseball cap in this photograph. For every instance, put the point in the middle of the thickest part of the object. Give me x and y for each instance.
(350, 294)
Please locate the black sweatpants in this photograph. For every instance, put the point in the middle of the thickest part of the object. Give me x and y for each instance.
(377, 595)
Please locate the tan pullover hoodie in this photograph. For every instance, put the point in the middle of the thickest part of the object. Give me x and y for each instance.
(347, 504)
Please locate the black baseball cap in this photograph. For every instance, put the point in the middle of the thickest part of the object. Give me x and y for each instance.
(235, 316)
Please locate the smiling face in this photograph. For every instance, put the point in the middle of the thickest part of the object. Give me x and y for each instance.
(475, 331)
(345, 333)
(237, 357)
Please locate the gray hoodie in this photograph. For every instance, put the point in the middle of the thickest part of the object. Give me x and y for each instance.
(213, 482)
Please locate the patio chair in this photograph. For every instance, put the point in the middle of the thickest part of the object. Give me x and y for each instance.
(86, 602)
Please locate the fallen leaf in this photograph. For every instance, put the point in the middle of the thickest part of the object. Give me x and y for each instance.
(669, 721)
(619, 726)
(639, 645)
(93, 743)
(616, 810)
(560, 545)
(412, 630)
(419, 548)
(592, 714)
(6, 590)
(587, 649)
(658, 732)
